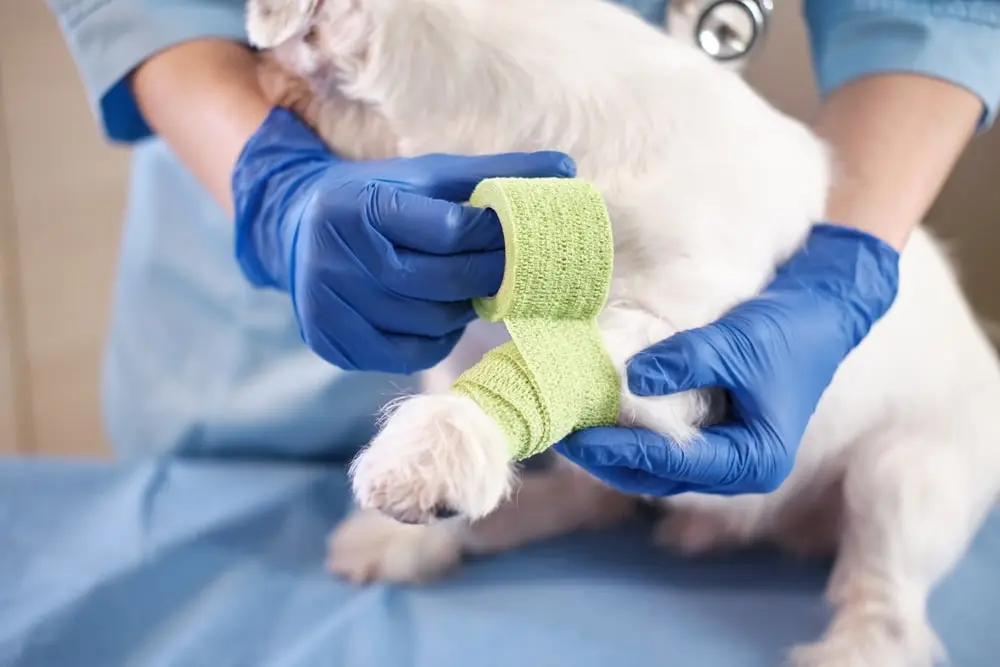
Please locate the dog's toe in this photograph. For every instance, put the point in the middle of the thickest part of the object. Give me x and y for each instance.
(369, 546)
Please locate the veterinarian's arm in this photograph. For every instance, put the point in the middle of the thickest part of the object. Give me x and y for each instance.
(193, 78)
(896, 138)
(905, 86)
(110, 39)
(203, 98)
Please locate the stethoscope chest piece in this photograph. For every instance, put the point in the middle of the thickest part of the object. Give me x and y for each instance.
(731, 29)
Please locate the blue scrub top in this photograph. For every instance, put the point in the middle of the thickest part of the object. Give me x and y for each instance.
(199, 362)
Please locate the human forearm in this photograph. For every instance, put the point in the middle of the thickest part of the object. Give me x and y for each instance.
(202, 97)
(895, 139)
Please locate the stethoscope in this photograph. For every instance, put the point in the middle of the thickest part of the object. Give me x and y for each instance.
(727, 30)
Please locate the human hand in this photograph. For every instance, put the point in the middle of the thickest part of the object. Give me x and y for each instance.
(379, 257)
(775, 355)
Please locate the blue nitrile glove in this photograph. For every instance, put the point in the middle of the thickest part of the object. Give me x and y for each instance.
(774, 354)
(380, 260)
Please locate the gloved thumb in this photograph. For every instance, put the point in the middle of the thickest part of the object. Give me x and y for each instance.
(688, 360)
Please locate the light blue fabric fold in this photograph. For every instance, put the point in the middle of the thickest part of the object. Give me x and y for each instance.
(221, 565)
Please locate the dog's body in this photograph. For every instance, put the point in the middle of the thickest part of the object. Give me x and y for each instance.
(709, 189)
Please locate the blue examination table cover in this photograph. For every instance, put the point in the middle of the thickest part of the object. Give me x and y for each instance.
(189, 563)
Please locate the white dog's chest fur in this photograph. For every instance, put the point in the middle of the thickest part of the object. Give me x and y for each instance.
(709, 189)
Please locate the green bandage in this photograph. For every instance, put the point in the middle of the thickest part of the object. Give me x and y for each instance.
(555, 376)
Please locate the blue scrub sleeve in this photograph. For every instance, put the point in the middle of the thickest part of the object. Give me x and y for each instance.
(110, 38)
(953, 40)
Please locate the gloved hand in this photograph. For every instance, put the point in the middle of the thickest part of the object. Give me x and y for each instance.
(774, 354)
(380, 259)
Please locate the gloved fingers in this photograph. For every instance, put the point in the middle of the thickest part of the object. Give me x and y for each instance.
(727, 459)
(379, 351)
(454, 177)
(412, 354)
(314, 317)
(352, 249)
(447, 278)
(388, 311)
(637, 449)
(683, 362)
(432, 226)
(722, 460)
(347, 337)
(374, 303)
(408, 317)
(622, 478)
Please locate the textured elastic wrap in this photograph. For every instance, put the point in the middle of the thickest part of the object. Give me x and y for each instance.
(555, 376)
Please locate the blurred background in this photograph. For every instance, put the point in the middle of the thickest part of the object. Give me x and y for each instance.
(62, 192)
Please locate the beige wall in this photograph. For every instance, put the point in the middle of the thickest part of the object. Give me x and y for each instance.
(8, 292)
(61, 194)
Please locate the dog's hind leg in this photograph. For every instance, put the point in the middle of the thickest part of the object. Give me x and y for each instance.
(912, 504)
(371, 546)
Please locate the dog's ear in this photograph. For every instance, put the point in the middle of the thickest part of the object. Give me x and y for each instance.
(271, 22)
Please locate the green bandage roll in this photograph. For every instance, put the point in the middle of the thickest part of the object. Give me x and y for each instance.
(555, 376)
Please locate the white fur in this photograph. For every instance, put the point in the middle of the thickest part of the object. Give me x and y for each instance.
(709, 189)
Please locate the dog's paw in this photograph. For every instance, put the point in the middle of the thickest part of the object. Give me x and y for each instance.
(863, 639)
(436, 457)
(691, 532)
(369, 546)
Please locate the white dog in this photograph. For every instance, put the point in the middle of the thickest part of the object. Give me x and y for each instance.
(709, 189)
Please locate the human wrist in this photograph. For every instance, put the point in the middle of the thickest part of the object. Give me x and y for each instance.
(202, 98)
(847, 266)
(894, 140)
(280, 159)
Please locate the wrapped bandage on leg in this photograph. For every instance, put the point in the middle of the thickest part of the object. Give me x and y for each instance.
(555, 376)
(441, 454)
